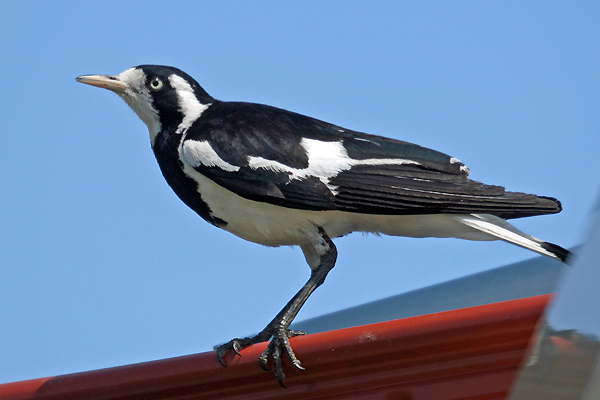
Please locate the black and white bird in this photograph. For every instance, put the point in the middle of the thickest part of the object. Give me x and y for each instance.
(278, 178)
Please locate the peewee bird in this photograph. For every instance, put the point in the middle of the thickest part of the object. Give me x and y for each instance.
(278, 178)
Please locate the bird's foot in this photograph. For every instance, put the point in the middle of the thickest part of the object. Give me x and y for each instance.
(279, 344)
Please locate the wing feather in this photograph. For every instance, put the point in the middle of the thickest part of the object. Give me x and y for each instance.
(369, 174)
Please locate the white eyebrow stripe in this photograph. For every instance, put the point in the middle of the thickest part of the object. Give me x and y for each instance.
(189, 105)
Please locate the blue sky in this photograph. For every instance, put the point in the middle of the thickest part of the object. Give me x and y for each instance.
(102, 265)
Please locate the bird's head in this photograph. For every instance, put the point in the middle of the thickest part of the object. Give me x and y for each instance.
(165, 98)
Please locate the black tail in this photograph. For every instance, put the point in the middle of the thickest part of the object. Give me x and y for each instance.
(561, 253)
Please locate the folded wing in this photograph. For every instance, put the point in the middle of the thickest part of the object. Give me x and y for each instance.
(282, 158)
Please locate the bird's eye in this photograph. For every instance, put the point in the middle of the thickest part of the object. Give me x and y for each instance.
(156, 84)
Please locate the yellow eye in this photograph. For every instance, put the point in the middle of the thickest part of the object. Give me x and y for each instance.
(156, 84)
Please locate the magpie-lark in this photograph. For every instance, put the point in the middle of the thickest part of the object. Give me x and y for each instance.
(279, 178)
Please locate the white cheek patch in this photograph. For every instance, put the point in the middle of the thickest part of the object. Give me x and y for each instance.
(201, 153)
(189, 105)
(325, 161)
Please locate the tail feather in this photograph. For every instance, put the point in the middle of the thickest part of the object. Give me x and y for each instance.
(561, 253)
(502, 230)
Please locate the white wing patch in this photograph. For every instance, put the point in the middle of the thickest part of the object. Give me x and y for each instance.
(325, 161)
(201, 153)
(189, 105)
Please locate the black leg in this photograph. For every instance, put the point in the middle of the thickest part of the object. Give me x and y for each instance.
(278, 328)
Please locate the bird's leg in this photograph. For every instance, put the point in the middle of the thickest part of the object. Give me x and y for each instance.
(278, 328)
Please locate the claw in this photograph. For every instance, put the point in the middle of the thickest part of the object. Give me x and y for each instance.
(300, 367)
(263, 359)
(220, 360)
(236, 347)
(235, 344)
(221, 351)
(287, 347)
(293, 333)
(220, 355)
(278, 369)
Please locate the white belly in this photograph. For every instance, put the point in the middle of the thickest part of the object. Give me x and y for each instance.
(272, 225)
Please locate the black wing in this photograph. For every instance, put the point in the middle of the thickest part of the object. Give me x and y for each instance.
(261, 153)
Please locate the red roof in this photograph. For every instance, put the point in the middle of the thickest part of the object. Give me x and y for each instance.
(471, 353)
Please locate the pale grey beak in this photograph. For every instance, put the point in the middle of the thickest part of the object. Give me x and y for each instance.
(104, 81)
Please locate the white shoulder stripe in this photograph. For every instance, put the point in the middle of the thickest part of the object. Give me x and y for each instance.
(189, 105)
(201, 153)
